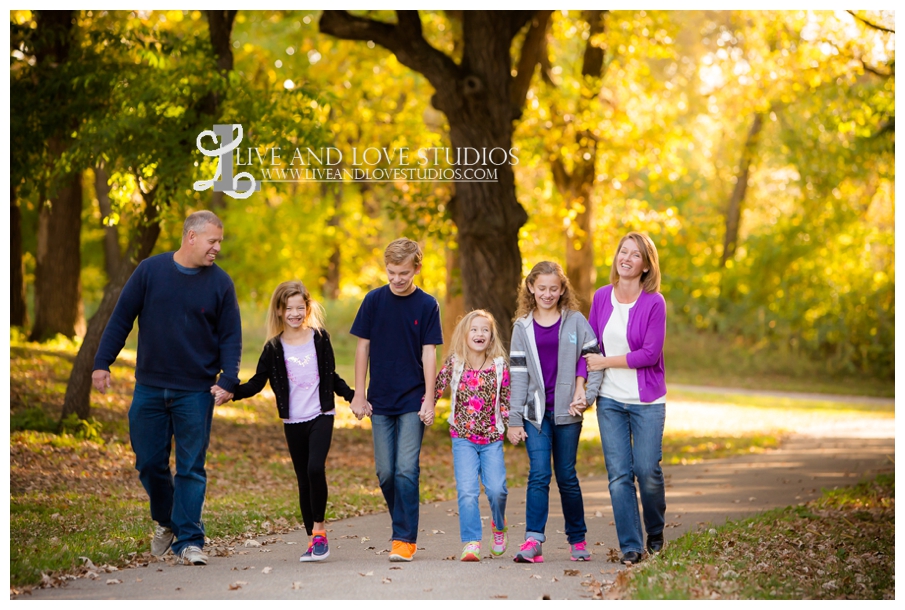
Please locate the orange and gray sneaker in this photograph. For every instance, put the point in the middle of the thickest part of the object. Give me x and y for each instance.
(402, 551)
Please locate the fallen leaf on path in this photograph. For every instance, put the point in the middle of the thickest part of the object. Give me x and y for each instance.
(88, 563)
(364, 539)
(598, 514)
(395, 568)
(237, 585)
(438, 531)
(292, 543)
(267, 570)
(114, 581)
(296, 585)
(538, 576)
(371, 573)
(612, 555)
(554, 579)
(251, 543)
(386, 581)
(499, 597)
(570, 572)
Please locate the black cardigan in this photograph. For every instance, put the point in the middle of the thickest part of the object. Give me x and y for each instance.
(272, 367)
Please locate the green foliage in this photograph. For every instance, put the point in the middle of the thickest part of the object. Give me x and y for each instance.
(813, 277)
(32, 418)
(83, 429)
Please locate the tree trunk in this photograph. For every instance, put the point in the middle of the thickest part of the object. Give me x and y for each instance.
(58, 263)
(737, 200)
(330, 288)
(577, 187)
(454, 304)
(112, 255)
(78, 390)
(481, 99)
(18, 310)
(59, 223)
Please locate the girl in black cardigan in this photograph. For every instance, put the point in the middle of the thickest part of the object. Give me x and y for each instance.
(298, 361)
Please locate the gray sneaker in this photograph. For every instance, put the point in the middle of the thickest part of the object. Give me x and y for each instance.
(530, 552)
(192, 555)
(160, 543)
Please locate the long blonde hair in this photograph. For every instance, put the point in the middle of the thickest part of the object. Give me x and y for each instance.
(526, 300)
(459, 347)
(314, 314)
(650, 279)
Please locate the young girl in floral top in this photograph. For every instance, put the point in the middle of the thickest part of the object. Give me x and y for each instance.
(478, 377)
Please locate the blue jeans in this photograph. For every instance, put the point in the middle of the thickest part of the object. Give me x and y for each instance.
(560, 443)
(156, 416)
(475, 464)
(632, 438)
(397, 451)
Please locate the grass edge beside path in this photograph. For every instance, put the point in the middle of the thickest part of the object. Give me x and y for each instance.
(839, 546)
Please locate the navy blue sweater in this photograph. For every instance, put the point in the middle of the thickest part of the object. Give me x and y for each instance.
(188, 327)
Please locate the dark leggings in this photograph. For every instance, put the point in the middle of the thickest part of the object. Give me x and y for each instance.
(308, 444)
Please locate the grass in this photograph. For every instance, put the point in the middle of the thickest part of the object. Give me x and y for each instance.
(840, 546)
(709, 359)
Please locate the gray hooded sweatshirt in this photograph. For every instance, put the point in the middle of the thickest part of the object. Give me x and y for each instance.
(527, 393)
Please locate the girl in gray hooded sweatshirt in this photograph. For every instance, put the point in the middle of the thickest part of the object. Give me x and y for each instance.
(550, 390)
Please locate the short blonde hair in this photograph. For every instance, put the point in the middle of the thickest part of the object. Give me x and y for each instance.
(401, 250)
(459, 349)
(314, 316)
(526, 300)
(650, 279)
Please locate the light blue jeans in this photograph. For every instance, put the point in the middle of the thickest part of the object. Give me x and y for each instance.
(632, 438)
(397, 453)
(475, 464)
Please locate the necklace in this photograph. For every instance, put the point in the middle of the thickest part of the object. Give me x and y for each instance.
(480, 368)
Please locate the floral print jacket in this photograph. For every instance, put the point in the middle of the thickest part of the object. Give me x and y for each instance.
(480, 400)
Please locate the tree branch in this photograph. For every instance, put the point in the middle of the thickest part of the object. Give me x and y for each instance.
(533, 48)
(870, 24)
(404, 40)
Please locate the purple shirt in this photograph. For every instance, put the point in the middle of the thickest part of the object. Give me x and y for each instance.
(547, 340)
(646, 333)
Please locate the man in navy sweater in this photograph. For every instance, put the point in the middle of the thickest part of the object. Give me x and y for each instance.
(189, 332)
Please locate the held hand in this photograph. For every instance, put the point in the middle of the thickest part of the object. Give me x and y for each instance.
(221, 396)
(360, 406)
(101, 380)
(579, 404)
(595, 362)
(516, 434)
(427, 412)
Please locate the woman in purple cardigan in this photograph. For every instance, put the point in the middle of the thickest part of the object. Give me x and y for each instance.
(629, 318)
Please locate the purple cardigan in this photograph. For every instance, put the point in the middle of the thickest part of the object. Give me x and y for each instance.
(646, 333)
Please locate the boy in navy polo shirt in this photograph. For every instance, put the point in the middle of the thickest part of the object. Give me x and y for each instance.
(398, 329)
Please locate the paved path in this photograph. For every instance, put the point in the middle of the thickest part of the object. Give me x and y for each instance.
(697, 494)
